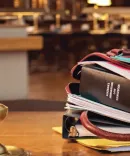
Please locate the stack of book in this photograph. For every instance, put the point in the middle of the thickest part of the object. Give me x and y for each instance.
(98, 105)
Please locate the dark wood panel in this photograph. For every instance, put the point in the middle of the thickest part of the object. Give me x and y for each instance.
(6, 4)
(120, 3)
(34, 105)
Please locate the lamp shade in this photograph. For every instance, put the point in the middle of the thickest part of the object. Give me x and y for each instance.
(92, 1)
(103, 2)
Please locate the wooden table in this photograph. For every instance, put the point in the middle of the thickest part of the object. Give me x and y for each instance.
(32, 131)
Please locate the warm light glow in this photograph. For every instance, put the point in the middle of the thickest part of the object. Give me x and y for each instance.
(45, 2)
(58, 18)
(96, 7)
(16, 3)
(34, 3)
(92, 1)
(41, 3)
(58, 4)
(67, 12)
(104, 2)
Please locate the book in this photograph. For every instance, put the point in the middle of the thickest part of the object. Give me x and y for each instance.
(124, 72)
(104, 87)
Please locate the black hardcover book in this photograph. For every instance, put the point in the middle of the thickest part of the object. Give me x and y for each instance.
(105, 87)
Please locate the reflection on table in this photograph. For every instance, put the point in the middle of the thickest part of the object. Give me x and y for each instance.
(34, 133)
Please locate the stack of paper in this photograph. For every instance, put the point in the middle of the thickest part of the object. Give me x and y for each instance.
(100, 144)
(97, 107)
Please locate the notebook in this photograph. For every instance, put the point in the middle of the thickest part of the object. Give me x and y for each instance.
(76, 102)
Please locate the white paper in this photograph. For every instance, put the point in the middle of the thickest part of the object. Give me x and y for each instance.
(112, 67)
(98, 108)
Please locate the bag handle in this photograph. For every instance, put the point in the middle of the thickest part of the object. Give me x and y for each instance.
(102, 133)
(76, 70)
(115, 52)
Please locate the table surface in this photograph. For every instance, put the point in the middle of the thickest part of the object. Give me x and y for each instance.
(33, 131)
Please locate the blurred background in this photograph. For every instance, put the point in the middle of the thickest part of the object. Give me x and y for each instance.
(41, 40)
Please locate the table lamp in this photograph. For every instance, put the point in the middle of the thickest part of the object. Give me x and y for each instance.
(104, 3)
(95, 22)
(92, 1)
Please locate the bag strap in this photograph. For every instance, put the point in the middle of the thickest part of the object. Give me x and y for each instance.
(97, 56)
(102, 133)
(115, 52)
